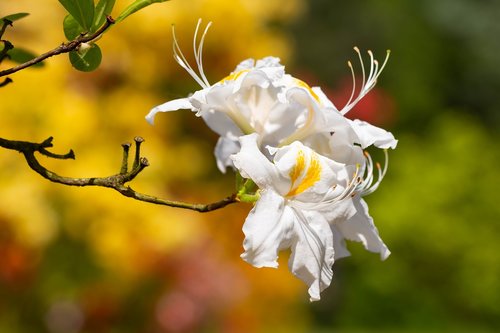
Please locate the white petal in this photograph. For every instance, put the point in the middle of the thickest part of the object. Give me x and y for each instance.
(336, 147)
(313, 175)
(373, 135)
(267, 229)
(257, 100)
(245, 65)
(221, 123)
(340, 211)
(360, 228)
(219, 110)
(224, 148)
(323, 99)
(176, 104)
(312, 252)
(272, 67)
(251, 162)
(268, 62)
(339, 244)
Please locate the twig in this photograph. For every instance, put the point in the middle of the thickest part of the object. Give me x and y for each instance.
(116, 182)
(63, 48)
(5, 82)
(5, 24)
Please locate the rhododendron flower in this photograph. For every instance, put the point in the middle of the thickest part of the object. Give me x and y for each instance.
(305, 156)
(259, 97)
(307, 203)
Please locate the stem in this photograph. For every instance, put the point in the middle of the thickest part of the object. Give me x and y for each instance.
(5, 24)
(116, 182)
(63, 48)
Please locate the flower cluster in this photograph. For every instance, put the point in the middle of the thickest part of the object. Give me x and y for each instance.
(306, 158)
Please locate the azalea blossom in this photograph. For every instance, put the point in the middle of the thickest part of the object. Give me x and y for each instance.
(307, 203)
(259, 97)
(307, 159)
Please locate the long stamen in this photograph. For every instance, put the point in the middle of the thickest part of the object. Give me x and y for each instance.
(368, 82)
(353, 91)
(367, 186)
(361, 62)
(331, 198)
(373, 69)
(199, 52)
(182, 61)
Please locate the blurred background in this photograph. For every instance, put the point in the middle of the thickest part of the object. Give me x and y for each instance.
(89, 260)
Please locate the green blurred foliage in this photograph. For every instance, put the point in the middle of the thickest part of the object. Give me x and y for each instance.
(437, 208)
(87, 260)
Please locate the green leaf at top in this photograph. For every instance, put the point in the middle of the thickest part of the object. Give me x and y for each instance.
(14, 17)
(71, 28)
(20, 56)
(86, 61)
(103, 8)
(135, 6)
(81, 10)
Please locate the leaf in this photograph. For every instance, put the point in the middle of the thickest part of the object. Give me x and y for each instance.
(20, 56)
(135, 6)
(71, 28)
(88, 60)
(81, 10)
(103, 8)
(14, 17)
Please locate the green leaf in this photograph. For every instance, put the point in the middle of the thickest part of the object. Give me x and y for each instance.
(87, 60)
(71, 28)
(81, 10)
(14, 17)
(103, 8)
(135, 6)
(20, 56)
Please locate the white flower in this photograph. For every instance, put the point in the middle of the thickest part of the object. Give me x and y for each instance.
(259, 97)
(306, 158)
(299, 192)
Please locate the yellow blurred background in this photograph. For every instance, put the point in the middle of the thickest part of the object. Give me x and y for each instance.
(89, 251)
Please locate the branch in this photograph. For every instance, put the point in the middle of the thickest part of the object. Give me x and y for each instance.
(116, 182)
(5, 24)
(63, 48)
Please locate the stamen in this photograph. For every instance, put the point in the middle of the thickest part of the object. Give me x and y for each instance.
(182, 61)
(353, 83)
(370, 53)
(367, 186)
(330, 198)
(198, 52)
(361, 62)
(368, 82)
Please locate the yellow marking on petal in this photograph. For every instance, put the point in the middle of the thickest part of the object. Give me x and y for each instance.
(298, 168)
(234, 75)
(304, 85)
(312, 175)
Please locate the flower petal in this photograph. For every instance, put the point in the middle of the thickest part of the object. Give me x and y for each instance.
(373, 135)
(323, 99)
(245, 65)
(267, 229)
(221, 123)
(312, 251)
(176, 104)
(224, 148)
(310, 175)
(339, 244)
(360, 228)
(254, 165)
